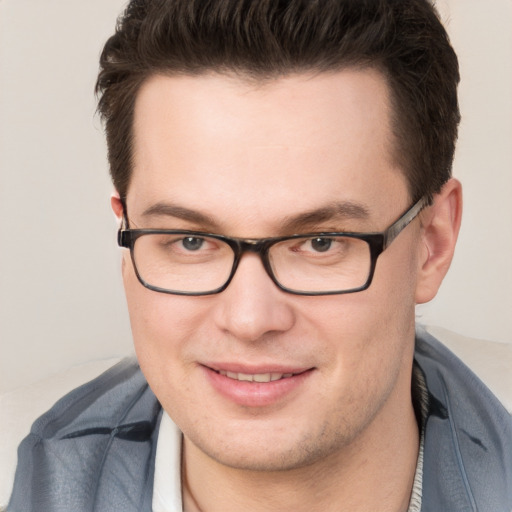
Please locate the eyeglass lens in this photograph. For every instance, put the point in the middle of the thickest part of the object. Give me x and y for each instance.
(199, 264)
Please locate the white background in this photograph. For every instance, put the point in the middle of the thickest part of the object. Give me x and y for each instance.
(61, 300)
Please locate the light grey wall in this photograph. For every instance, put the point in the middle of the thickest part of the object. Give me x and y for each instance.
(476, 297)
(61, 301)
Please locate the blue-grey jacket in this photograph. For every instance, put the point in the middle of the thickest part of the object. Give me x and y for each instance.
(95, 449)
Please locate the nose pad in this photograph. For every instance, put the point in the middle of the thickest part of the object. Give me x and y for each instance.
(252, 305)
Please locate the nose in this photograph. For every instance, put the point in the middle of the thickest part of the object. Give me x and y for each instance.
(252, 306)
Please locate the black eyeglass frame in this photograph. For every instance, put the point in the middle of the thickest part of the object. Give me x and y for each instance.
(378, 243)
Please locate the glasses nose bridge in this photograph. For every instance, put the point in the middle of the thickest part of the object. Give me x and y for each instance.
(253, 245)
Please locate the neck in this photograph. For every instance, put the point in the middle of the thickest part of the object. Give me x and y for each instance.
(375, 472)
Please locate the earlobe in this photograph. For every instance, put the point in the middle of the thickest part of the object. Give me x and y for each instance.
(440, 228)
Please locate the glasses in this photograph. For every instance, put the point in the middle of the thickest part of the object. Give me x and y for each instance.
(196, 263)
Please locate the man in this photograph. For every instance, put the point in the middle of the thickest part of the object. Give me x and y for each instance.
(284, 194)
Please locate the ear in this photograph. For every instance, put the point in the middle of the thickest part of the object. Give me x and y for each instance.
(440, 225)
(117, 208)
(117, 205)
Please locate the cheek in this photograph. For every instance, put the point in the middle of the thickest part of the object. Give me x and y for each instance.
(364, 324)
(371, 333)
(161, 324)
(390, 340)
(163, 327)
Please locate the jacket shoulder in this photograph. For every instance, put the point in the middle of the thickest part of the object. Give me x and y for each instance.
(468, 435)
(94, 449)
(104, 401)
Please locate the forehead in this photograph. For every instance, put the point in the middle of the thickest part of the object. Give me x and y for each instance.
(227, 147)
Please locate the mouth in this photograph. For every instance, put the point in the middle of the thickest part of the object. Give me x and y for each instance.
(256, 377)
(257, 387)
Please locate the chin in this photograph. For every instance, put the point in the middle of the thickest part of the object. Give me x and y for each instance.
(269, 449)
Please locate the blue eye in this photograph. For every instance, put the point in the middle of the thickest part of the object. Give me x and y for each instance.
(321, 244)
(192, 243)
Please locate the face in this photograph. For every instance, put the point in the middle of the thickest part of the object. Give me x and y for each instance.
(218, 154)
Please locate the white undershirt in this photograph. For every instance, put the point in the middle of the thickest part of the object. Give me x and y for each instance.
(167, 484)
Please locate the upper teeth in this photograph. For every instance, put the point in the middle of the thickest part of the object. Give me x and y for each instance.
(256, 377)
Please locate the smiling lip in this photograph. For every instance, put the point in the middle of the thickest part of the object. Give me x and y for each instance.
(255, 387)
(256, 377)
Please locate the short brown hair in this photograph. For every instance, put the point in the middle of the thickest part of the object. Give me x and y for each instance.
(260, 39)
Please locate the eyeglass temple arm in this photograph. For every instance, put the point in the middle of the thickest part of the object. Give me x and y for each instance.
(396, 228)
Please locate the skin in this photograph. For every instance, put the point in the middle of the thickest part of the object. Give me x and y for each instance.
(242, 155)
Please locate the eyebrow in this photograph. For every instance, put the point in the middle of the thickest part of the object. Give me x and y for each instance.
(342, 211)
(336, 212)
(180, 212)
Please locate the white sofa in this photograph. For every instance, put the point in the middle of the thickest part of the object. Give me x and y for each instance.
(491, 361)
